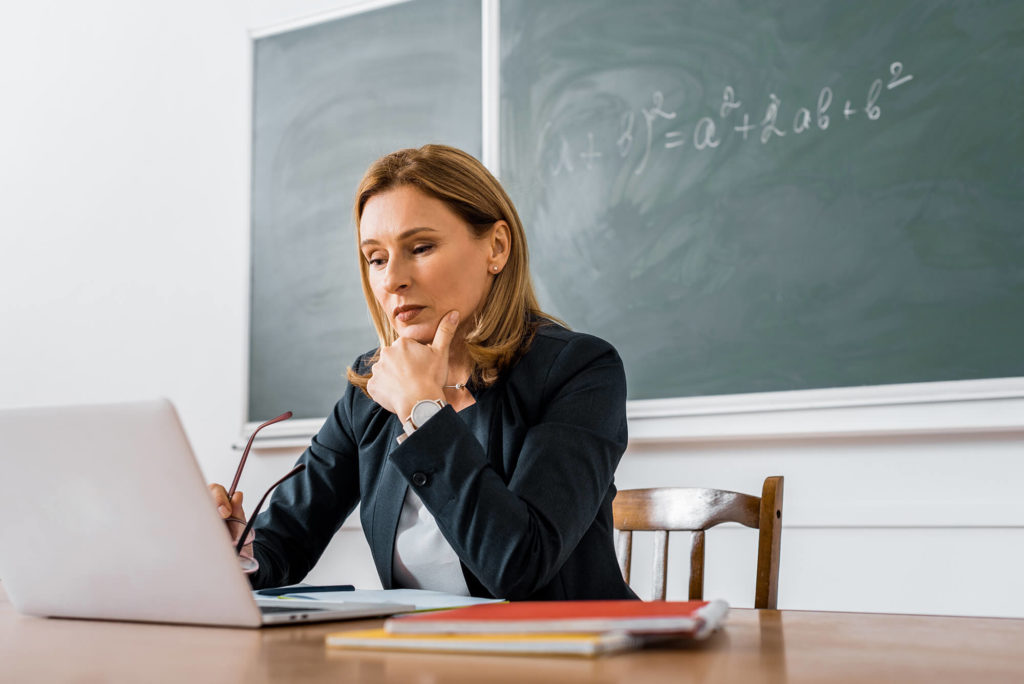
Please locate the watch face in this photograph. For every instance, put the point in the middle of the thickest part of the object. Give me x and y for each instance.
(423, 410)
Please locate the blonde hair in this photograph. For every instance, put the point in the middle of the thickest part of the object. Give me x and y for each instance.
(504, 326)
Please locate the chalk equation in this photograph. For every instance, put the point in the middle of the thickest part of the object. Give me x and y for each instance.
(648, 129)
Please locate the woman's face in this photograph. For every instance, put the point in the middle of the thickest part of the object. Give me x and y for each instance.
(424, 261)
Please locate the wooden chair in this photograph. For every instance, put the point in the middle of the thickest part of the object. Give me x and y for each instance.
(669, 509)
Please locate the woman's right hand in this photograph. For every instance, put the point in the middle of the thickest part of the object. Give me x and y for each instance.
(228, 508)
(234, 517)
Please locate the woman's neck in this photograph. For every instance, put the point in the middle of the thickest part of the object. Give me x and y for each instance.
(460, 363)
(460, 369)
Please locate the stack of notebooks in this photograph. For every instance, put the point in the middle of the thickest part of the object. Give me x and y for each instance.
(584, 628)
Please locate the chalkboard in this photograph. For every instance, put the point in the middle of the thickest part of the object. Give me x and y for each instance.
(327, 101)
(760, 195)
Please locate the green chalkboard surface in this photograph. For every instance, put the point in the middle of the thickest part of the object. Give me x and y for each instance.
(762, 195)
(327, 101)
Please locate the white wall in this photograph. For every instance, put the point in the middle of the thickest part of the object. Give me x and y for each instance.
(124, 168)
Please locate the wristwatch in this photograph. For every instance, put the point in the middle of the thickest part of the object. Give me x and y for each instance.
(422, 411)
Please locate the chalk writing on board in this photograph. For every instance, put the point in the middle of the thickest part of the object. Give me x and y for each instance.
(648, 131)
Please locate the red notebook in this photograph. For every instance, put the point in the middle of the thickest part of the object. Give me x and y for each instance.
(684, 618)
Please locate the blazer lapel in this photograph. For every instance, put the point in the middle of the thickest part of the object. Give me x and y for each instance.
(387, 507)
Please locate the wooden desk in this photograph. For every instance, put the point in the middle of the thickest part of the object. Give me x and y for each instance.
(756, 646)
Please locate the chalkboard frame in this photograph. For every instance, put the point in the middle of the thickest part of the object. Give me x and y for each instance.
(993, 405)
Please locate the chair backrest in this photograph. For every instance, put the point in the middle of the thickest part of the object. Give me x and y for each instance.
(688, 509)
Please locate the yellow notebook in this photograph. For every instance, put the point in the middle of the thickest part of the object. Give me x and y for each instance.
(533, 644)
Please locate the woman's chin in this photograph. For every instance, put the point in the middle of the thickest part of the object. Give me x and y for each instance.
(420, 332)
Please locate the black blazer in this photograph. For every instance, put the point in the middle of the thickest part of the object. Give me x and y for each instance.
(520, 483)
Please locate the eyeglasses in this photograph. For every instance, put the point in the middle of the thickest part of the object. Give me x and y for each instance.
(238, 474)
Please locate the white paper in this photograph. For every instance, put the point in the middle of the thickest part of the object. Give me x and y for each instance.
(421, 598)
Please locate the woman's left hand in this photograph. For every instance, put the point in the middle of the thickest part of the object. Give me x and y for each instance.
(409, 371)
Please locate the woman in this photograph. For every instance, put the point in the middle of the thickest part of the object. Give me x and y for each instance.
(481, 437)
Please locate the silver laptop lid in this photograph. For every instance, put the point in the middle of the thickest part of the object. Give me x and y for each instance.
(104, 513)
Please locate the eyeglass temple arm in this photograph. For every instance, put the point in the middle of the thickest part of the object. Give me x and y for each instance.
(245, 454)
(252, 517)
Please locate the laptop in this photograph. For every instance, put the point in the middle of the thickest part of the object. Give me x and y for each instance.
(104, 514)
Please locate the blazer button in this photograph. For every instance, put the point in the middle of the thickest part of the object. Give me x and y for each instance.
(419, 479)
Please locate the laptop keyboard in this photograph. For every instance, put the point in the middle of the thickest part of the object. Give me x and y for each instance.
(272, 610)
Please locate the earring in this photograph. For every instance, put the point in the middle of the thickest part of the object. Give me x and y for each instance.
(494, 268)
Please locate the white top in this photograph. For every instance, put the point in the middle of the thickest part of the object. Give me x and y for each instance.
(423, 558)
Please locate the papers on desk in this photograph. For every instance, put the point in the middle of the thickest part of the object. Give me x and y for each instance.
(535, 644)
(422, 599)
(586, 628)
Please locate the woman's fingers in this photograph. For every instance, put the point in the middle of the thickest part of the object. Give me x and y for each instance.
(221, 501)
(446, 328)
(236, 506)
